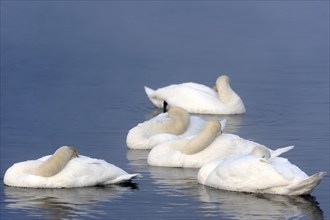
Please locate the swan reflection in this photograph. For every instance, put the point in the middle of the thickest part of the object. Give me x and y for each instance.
(220, 203)
(234, 205)
(238, 205)
(138, 159)
(65, 203)
(174, 180)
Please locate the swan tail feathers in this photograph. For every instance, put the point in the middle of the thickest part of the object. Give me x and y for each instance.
(223, 123)
(149, 91)
(306, 186)
(153, 98)
(123, 179)
(281, 150)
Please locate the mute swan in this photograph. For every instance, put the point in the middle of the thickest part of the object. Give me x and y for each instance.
(197, 98)
(209, 144)
(173, 125)
(258, 172)
(65, 169)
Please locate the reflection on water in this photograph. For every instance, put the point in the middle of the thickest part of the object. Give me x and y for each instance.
(138, 158)
(173, 180)
(73, 74)
(258, 206)
(63, 203)
(217, 203)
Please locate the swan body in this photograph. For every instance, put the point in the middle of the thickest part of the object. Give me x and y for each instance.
(200, 99)
(55, 171)
(258, 173)
(174, 125)
(208, 145)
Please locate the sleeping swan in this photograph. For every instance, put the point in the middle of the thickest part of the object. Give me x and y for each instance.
(209, 144)
(258, 172)
(197, 98)
(176, 124)
(65, 169)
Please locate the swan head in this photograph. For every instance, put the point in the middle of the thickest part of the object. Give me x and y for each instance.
(261, 151)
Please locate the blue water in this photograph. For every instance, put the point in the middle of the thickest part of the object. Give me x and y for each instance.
(72, 73)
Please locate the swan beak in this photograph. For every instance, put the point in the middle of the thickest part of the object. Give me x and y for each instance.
(165, 106)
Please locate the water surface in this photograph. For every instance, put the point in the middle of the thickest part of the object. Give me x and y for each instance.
(72, 73)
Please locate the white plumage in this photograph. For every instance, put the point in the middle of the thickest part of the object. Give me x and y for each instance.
(77, 172)
(173, 153)
(161, 128)
(252, 172)
(198, 98)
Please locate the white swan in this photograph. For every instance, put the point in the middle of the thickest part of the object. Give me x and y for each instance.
(208, 145)
(258, 172)
(176, 124)
(197, 98)
(64, 169)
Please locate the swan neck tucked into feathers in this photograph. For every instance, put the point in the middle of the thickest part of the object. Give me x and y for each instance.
(261, 151)
(226, 94)
(179, 121)
(56, 162)
(203, 139)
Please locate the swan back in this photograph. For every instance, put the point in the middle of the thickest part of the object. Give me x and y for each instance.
(56, 162)
(203, 139)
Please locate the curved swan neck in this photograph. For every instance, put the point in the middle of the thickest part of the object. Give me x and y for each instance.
(179, 121)
(226, 93)
(203, 139)
(56, 162)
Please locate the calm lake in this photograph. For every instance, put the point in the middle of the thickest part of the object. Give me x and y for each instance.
(72, 73)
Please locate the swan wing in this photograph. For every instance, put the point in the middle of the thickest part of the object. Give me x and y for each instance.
(139, 137)
(200, 87)
(247, 173)
(90, 171)
(189, 96)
